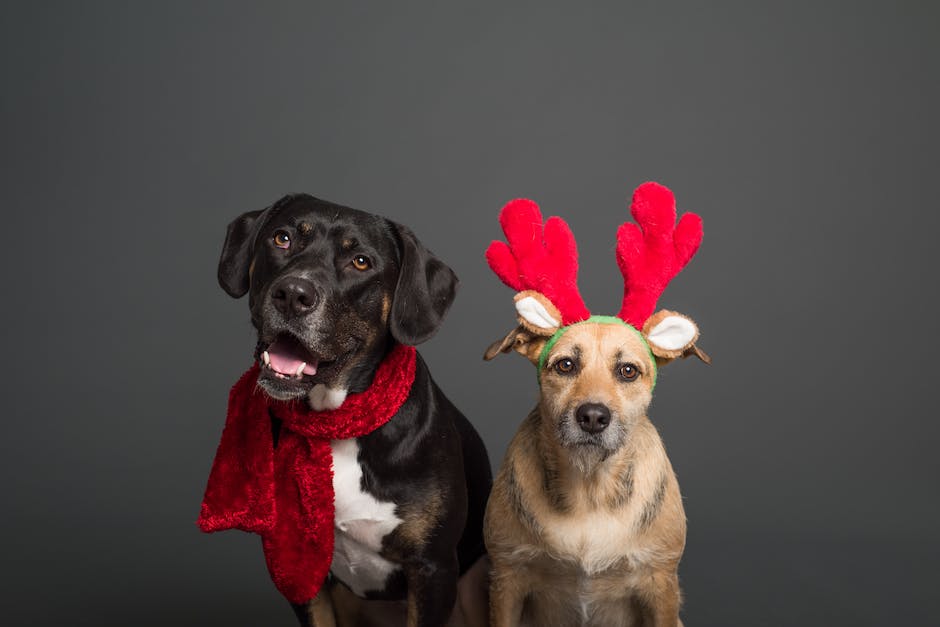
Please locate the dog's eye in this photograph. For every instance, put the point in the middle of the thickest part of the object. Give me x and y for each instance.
(628, 372)
(361, 262)
(564, 365)
(282, 239)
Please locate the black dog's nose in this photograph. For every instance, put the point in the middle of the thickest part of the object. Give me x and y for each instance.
(293, 296)
(593, 417)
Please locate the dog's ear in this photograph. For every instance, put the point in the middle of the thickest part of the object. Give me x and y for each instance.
(236, 253)
(425, 290)
(671, 335)
(521, 340)
(538, 319)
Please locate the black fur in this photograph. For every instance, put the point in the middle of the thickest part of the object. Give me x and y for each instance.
(428, 451)
(425, 291)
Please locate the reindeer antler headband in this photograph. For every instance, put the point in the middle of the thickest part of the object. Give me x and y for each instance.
(541, 263)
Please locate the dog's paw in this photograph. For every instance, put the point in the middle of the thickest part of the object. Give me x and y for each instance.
(323, 398)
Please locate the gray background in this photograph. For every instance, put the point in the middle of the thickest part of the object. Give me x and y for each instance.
(806, 135)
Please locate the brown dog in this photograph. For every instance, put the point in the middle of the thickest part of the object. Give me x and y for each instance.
(585, 524)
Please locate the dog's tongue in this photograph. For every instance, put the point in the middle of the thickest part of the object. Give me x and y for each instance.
(287, 355)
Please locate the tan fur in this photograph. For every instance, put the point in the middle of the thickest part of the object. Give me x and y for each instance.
(321, 609)
(587, 537)
(521, 340)
(305, 228)
(419, 519)
(386, 308)
(351, 611)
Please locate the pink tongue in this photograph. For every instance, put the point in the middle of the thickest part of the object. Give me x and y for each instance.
(286, 357)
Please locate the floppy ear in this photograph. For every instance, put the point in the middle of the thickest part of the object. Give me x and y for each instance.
(425, 290)
(236, 254)
(538, 321)
(671, 335)
(521, 340)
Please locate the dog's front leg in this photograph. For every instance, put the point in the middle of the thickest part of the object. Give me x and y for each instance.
(506, 597)
(432, 591)
(660, 600)
(318, 612)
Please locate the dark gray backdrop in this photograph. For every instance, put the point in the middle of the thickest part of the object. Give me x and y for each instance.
(805, 135)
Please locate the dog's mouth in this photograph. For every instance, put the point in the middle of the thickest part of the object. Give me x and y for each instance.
(287, 358)
(578, 441)
(290, 367)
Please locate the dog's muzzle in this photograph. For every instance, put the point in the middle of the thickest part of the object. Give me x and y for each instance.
(294, 297)
(592, 417)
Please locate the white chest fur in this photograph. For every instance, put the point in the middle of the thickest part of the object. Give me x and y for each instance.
(361, 522)
(596, 543)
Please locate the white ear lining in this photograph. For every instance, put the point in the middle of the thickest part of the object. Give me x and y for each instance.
(673, 333)
(535, 313)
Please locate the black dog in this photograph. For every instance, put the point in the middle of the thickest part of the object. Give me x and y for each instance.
(331, 290)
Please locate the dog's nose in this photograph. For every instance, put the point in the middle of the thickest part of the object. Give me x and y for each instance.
(293, 296)
(593, 417)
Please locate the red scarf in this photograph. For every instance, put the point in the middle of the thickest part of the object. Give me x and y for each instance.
(286, 494)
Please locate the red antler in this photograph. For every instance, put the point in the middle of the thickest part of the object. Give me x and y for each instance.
(651, 254)
(545, 260)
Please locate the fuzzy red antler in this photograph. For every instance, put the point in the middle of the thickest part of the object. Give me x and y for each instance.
(537, 258)
(651, 254)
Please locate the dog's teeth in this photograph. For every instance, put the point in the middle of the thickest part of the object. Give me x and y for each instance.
(300, 369)
(266, 358)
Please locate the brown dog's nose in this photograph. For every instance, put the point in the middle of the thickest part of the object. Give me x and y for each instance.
(293, 296)
(593, 417)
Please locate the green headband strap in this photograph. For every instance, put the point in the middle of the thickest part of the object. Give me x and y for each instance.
(543, 356)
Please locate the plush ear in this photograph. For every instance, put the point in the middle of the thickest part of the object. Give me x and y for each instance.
(536, 313)
(236, 253)
(425, 290)
(671, 335)
(521, 340)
